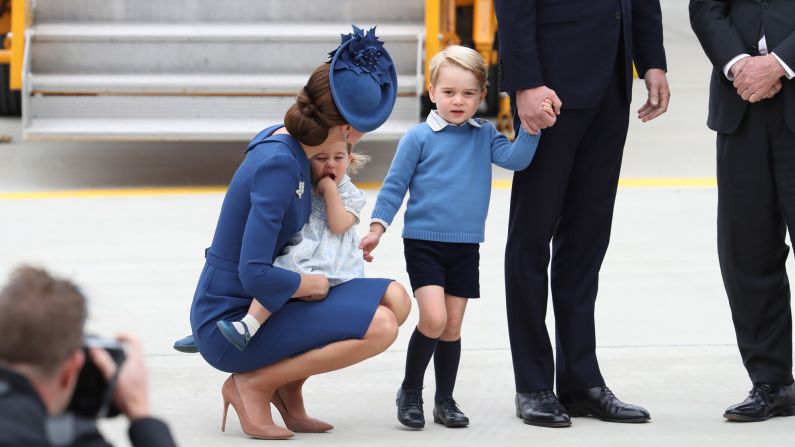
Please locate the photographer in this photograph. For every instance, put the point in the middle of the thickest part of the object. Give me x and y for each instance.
(41, 358)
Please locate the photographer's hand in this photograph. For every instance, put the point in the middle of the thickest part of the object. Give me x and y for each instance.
(132, 387)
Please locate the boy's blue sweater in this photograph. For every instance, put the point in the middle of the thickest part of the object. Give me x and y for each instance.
(448, 176)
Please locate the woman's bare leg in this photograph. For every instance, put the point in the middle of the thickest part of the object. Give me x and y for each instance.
(259, 385)
(292, 395)
(289, 400)
(398, 301)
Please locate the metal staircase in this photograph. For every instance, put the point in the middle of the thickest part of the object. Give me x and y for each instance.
(199, 70)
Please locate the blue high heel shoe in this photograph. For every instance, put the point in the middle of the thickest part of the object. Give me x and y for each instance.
(186, 345)
(240, 341)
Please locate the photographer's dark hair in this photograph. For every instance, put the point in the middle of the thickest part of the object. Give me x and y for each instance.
(314, 111)
(42, 319)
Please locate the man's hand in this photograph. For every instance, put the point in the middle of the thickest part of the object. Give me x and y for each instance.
(773, 90)
(370, 241)
(738, 66)
(659, 95)
(132, 388)
(756, 78)
(533, 117)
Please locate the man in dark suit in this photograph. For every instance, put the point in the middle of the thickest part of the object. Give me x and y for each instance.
(579, 53)
(751, 44)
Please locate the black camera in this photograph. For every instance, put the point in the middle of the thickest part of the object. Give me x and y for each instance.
(93, 397)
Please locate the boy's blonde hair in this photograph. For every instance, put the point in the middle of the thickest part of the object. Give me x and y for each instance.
(358, 160)
(466, 58)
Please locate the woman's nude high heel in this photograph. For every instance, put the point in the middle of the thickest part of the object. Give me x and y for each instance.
(232, 396)
(308, 425)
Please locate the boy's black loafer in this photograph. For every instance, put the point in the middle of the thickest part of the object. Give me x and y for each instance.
(447, 413)
(409, 408)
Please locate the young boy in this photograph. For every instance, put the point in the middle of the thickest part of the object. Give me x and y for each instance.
(446, 162)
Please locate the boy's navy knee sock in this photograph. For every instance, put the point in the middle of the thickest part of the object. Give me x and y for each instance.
(418, 356)
(445, 364)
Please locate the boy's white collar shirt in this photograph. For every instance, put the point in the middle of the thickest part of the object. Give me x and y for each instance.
(437, 123)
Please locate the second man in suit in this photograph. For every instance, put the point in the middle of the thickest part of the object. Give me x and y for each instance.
(751, 45)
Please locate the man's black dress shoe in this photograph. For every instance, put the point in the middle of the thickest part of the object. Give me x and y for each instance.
(601, 403)
(409, 404)
(447, 413)
(541, 408)
(764, 401)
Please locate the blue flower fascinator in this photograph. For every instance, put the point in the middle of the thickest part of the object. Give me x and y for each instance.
(363, 80)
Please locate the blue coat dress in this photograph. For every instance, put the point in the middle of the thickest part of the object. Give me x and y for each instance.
(268, 201)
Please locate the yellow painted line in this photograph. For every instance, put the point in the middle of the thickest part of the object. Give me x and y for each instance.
(369, 185)
(104, 193)
(661, 182)
(672, 182)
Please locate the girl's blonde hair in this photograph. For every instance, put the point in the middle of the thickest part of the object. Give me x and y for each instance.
(466, 58)
(358, 160)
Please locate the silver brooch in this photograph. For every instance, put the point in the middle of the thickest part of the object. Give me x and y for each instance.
(300, 191)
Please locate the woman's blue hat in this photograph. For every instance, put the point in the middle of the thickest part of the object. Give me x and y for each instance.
(363, 80)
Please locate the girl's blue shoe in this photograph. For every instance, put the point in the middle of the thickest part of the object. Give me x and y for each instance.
(240, 341)
(186, 344)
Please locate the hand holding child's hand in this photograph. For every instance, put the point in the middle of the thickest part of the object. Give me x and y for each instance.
(324, 184)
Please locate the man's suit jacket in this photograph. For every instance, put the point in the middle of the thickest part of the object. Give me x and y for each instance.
(570, 45)
(728, 28)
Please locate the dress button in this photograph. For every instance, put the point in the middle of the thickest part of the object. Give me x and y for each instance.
(764, 5)
(618, 15)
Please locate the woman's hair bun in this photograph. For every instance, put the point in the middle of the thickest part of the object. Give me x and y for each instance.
(314, 112)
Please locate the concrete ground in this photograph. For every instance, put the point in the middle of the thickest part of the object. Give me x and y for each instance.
(665, 338)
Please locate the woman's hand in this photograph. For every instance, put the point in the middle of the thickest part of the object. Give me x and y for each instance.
(313, 287)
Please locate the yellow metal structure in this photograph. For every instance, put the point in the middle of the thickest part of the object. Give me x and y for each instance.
(505, 118)
(13, 24)
(440, 28)
(484, 26)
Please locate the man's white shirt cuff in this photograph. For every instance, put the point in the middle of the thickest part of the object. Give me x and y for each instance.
(790, 74)
(727, 67)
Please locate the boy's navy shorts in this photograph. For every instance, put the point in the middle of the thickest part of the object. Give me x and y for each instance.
(453, 266)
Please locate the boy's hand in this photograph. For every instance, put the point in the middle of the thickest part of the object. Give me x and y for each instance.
(370, 240)
(368, 244)
(325, 183)
(546, 105)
